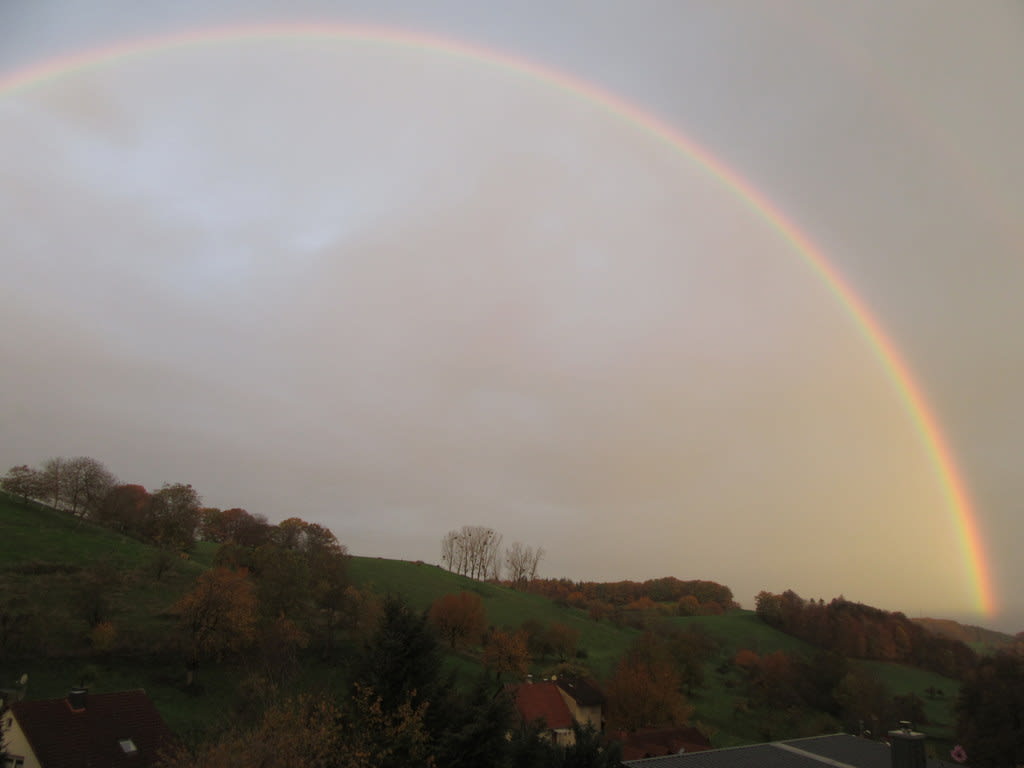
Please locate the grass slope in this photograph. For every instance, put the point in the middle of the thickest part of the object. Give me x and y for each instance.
(421, 584)
(45, 554)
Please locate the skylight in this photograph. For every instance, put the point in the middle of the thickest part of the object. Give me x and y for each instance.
(128, 746)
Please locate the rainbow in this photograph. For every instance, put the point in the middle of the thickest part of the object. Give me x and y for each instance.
(911, 393)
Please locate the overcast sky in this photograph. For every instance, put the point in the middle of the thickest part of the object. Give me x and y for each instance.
(397, 291)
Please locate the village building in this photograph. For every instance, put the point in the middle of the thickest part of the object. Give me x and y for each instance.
(83, 730)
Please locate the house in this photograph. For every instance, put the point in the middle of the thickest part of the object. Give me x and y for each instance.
(559, 703)
(83, 729)
(584, 700)
(543, 703)
(907, 750)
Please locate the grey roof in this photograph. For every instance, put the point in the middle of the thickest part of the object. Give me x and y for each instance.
(838, 750)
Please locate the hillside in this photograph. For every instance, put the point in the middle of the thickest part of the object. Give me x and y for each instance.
(719, 702)
(979, 638)
(56, 570)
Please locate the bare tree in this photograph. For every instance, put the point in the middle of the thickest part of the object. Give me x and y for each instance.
(522, 562)
(53, 477)
(472, 551)
(78, 485)
(86, 484)
(23, 481)
(448, 549)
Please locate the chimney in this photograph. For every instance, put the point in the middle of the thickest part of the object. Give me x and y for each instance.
(76, 699)
(907, 747)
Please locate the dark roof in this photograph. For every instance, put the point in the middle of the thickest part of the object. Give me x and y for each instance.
(814, 752)
(753, 756)
(651, 742)
(62, 738)
(584, 692)
(542, 701)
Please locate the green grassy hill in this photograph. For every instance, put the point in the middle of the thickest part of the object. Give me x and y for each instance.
(51, 563)
(60, 564)
(716, 703)
(421, 584)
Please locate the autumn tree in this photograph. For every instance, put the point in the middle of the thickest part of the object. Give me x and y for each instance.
(506, 653)
(645, 690)
(174, 516)
(459, 618)
(219, 614)
(282, 582)
(329, 588)
(279, 642)
(316, 733)
(125, 508)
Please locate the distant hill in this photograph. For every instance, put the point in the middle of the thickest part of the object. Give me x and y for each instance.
(980, 639)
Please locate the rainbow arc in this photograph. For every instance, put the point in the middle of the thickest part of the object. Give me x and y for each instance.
(910, 392)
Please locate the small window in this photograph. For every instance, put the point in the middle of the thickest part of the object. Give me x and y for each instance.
(128, 746)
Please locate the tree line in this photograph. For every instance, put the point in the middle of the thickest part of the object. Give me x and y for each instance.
(863, 632)
(172, 517)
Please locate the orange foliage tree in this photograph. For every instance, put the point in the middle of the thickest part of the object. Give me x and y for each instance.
(507, 653)
(219, 614)
(459, 618)
(645, 689)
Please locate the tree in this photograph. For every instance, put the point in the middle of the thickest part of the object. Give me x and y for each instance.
(563, 640)
(402, 655)
(472, 551)
(282, 582)
(174, 516)
(521, 563)
(23, 481)
(645, 689)
(52, 479)
(219, 614)
(78, 485)
(126, 509)
(506, 653)
(990, 712)
(458, 618)
(85, 485)
(329, 587)
(301, 731)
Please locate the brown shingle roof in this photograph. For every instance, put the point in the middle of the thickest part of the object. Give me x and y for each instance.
(542, 701)
(61, 738)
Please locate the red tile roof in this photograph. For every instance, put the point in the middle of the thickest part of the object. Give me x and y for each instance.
(62, 738)
(542, 701)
